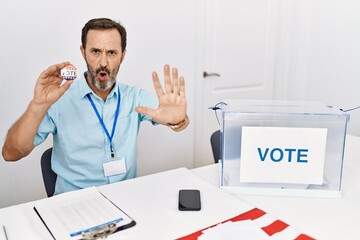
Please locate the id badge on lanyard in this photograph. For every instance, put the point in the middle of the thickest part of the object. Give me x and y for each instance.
(112, 167)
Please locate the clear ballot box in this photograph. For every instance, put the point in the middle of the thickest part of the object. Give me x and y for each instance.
(285, 148)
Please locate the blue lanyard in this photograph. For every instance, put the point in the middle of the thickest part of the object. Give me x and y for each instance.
(110, 137)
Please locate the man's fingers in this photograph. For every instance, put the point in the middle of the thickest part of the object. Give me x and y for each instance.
(175, 81)
(55, 69)
(52, 74)
(167, 80)
(158, 89)
(182, 87)
(146, 111)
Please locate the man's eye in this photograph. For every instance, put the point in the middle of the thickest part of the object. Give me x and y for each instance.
(95, 51)
(111, 53)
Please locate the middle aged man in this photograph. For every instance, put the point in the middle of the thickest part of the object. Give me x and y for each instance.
(95, 119)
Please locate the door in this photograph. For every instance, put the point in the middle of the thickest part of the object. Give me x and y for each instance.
(238, 44)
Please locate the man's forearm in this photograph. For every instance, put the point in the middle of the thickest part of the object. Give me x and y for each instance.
(19, 141)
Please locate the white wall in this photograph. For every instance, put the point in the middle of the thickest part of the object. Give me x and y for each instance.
(317, 58)
(36, 34)
(319, 54)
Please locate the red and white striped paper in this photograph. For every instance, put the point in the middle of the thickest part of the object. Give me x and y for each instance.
(274, 228)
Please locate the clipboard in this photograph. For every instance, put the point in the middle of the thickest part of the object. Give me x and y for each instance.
(82, 215)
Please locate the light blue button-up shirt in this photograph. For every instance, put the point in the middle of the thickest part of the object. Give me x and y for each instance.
(80, 144)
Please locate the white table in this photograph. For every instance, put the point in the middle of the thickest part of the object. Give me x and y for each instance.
(322, 218)
(152, 202)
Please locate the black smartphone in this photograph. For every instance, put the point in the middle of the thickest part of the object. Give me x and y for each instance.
(189, 200)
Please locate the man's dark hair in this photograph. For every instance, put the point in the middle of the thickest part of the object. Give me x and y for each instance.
(103, 24)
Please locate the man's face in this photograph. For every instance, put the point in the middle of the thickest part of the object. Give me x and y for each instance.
(103, 56)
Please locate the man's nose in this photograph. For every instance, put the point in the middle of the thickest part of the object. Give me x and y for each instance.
(103, 60)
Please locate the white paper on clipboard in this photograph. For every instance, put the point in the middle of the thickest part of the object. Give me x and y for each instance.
(71, 215)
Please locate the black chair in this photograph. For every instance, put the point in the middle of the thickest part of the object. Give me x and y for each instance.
(49, 176)
(215, 141)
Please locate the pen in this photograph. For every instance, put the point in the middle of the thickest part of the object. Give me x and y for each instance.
(6, 236)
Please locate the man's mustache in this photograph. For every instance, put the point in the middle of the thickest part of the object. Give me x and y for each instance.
(103, 69)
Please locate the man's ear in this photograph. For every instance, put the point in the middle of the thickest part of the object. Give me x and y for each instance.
(123, 56)
(82, 51)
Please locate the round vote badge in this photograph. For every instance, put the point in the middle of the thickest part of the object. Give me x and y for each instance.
(69, 72)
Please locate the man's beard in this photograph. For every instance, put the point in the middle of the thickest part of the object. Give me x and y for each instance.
(95, 80)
